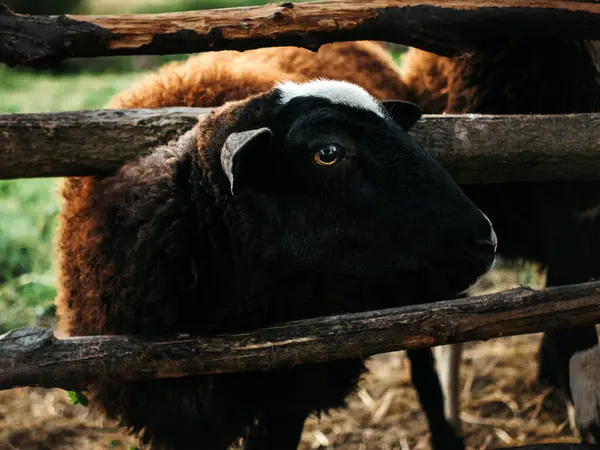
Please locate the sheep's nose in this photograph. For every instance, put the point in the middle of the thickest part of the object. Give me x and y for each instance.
(493, 239)
(491, 242)
(472, 234)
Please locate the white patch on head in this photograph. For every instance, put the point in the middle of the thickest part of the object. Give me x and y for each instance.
(336, 91)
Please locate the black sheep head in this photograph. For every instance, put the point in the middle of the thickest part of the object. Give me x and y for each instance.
(327, 179)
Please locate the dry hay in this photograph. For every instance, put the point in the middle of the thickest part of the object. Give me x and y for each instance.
(502, 405)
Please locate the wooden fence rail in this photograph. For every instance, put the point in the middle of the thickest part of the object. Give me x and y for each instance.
(441, 26)
(34, 357)
(473, 148)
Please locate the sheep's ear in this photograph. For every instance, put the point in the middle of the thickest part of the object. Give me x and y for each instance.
(238, 147)
(404, 113)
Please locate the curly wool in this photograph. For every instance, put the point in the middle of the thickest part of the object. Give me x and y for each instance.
(211, 79)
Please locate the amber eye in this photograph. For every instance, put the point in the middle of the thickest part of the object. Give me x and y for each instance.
(328, 156)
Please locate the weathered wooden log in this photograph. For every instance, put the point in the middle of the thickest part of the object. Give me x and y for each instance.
(34, 357)
(85, 142)
(473, 148)
(436, 25)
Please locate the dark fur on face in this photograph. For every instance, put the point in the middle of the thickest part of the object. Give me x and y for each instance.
(384, 209)
(236, 226)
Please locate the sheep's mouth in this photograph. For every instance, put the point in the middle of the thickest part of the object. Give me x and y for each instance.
(452, 283)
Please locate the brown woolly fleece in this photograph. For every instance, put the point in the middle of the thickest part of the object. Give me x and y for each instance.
(211, 79)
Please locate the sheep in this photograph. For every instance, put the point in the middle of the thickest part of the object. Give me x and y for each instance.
(231, 75)
(553, 223)
(294, 198)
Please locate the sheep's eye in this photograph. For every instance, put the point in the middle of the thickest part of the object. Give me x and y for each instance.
(328, 156)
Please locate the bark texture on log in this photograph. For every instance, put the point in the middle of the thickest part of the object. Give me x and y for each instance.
(442, 26)
(35, 357)
(473, 148)
(85, 142)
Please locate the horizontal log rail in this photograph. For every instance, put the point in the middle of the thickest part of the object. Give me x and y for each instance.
(442, 26)
(35, 357)
(473, 148)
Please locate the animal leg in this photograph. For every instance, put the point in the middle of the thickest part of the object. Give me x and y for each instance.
(572, 244)
(277, 429)
(448, 363)
(557, 347)
(426, 382)
(585, 387)
(449, 358)
(556, 350)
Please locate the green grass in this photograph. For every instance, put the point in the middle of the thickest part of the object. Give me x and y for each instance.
(27, 221)
(25, 92)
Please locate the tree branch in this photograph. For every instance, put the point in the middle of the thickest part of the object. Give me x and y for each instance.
(34, 357)
(473, 148)
(435, 25)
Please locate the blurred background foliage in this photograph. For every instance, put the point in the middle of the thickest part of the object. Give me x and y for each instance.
(28, 207)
